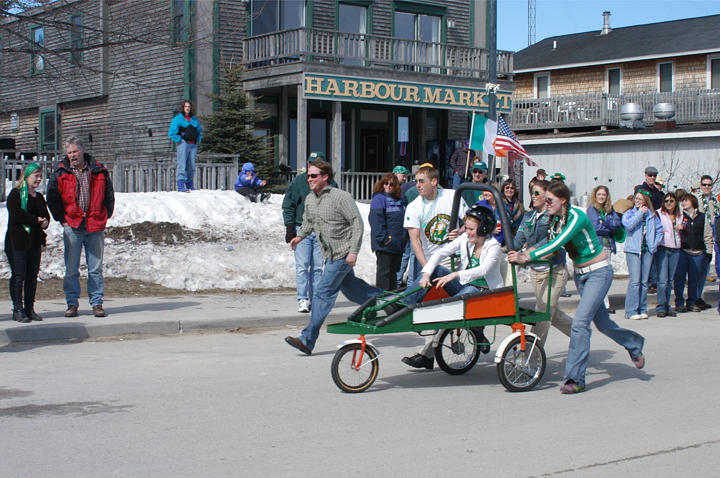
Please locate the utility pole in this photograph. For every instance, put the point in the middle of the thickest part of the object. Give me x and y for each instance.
(492, 72)
(531, 22)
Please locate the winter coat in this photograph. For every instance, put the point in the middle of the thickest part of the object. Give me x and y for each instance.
(178, 126)
(243, 181)
(62, 191)
(515, 211)
(656, 196)
(18, 218)
(697, 234)
(533, 232)
(633, 221)
(605, 228)
(671, 236)
(387, 233)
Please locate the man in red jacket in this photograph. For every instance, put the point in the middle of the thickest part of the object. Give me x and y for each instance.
(80, 196)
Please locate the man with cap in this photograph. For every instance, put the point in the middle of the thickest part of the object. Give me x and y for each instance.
(308, 255)
(708, 205)
(458, 163)
(656, 195)
(479, 175)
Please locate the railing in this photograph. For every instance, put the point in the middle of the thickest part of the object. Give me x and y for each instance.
(692, 106)
(132, 176)
(371, 51)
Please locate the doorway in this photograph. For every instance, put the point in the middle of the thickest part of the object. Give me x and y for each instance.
(374, 157)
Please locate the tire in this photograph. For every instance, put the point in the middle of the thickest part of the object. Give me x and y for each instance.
(456, 352)
(344, 372)
(516, 372)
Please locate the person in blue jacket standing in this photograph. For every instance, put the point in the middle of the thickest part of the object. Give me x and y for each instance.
(644, 233)
(387, 234)
(186, 132)
(606, 222)
(249, 185)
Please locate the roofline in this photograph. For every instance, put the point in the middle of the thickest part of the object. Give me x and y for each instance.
(618, 60)
(610, 139)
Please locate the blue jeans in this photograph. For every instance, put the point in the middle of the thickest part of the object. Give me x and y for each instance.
(94, 243)
(186, 153)
(308, 265)
(408, 258)
(593, 287)
(336, 276)
(667, 261)
(457, 180)
(639, 270)
(692, 267)
(453, 288)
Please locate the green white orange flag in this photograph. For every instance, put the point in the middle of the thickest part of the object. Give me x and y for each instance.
(482, 134)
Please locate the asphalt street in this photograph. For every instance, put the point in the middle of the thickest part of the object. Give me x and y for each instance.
(246, 404)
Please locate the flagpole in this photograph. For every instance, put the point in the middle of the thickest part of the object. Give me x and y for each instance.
(467, 159)
(492, 73)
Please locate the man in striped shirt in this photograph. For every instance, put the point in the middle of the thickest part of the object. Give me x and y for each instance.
(334, 217)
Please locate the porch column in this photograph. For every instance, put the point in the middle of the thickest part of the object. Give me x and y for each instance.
(422, 152)
(353, 138)
(337, 142)
(283, 130)
(301, 129)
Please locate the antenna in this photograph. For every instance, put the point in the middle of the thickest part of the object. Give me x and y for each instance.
(531, 22)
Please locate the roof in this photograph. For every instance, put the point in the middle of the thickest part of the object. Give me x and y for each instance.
(654, 40)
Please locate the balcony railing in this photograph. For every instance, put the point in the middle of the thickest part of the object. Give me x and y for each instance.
(691, 106)
(311, 45)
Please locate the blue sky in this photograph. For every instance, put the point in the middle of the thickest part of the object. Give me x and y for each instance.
(560, 17)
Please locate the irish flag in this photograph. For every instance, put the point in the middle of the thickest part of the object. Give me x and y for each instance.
(482, 134)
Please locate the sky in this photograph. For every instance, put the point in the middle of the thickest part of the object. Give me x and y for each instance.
(562, 17)
(243, 249)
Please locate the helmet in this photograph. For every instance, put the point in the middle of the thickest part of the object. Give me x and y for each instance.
(485, 217)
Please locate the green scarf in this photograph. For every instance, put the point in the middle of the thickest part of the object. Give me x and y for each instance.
(24, 194)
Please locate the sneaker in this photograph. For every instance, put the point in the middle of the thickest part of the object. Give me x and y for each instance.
(264, 197)
(72, 311)
(694, 308)
(643, 316)
(681, 310)
(671, 313)
(419, 361)
(703, 305)
(661, 314)
(652, 289)
(638, 361)
(634, 317)
(304, 306)
(98, 311)
(570, 387)
(482, 340)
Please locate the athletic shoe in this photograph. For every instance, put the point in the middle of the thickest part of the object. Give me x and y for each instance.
(661, 314)
(634, 317)
(303, 306)
(638, 361)
(570, 387)
(419, 361)
(695, 308)
(643, 316)
(671, 313)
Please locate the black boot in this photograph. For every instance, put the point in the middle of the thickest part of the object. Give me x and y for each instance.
(19, 316)
(32, 315)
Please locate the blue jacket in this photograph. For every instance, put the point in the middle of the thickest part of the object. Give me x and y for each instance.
(179, 122)
(633, 221)
(244, 181)
(533, 232)
(605, 229)
(387, 233)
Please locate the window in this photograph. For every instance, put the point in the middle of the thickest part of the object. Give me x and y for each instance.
(424, 28)
(352, 19)
(542, 85)
(665, 77)
(276, 15)
(37, 62)
(713, 72)
(47, 130)
(178, 21)
(614, 78)
(76, 39)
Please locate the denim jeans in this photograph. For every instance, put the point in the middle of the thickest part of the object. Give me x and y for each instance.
(667, 262)
(453, 288)
(186, 153)
(337, 276)
(408, 258)
(639, 270)
(592, 288)
(690, 266)
(94, 243)
(703, 276)
(24, 268)
(308, 265)
(457, 180)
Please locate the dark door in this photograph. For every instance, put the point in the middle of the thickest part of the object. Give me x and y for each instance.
(374, 150)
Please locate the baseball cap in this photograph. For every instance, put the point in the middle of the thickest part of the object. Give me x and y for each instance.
(400, 169)
(427, 165)
(541, 171)
(316, 155)
(651, 170)
(479, 165)
(560, 176)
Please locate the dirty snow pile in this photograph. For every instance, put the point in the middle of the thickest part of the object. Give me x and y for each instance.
(197, 241)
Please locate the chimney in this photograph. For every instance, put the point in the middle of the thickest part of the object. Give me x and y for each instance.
(606, 24)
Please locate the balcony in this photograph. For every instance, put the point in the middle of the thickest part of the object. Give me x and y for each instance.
(691, 106)
(311, 45)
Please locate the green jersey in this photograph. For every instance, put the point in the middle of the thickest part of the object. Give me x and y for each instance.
(578, 236)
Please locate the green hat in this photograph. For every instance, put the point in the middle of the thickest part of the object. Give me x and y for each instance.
(316, 155)
(400, 169)
(559, 176)
(479, 165)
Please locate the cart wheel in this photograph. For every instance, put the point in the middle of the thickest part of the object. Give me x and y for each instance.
(520, 371)
(455, 353)
(344, 369)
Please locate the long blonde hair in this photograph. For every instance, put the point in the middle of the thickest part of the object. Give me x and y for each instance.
(19, 183)
(607, 207)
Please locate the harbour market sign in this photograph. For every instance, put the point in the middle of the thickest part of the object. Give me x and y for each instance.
(401, 93)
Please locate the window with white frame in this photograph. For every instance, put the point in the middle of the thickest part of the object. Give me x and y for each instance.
(542, 85)
(713, 72)
(614, 81)
(665, 77)
(37, 62)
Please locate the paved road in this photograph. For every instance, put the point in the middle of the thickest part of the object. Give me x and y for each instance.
(246, 404)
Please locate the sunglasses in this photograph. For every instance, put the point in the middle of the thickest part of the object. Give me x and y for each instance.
(549, 200)
(477, 171)
(651, 175)
(509, 187)
(706, 184)
(536, 193)
(314, 175)
(669, 200)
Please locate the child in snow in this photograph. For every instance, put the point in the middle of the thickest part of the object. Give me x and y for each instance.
(249, 185)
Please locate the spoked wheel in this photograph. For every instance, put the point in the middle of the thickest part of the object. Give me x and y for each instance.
(456, 352)
(345, 371)
(520, 370)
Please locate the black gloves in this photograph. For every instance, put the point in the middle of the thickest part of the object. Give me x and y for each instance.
(289, 232)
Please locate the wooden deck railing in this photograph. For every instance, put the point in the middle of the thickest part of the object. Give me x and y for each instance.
(692, 106)
(371, 51)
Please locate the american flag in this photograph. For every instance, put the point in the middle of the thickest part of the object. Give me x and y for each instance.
(507, 141)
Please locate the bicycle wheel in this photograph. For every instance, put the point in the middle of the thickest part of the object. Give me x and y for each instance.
(347, 375)
(520, 370)
(456, 352)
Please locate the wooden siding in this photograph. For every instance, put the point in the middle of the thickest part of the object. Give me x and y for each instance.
(25, 136)
(323, 15)
(232, 27)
